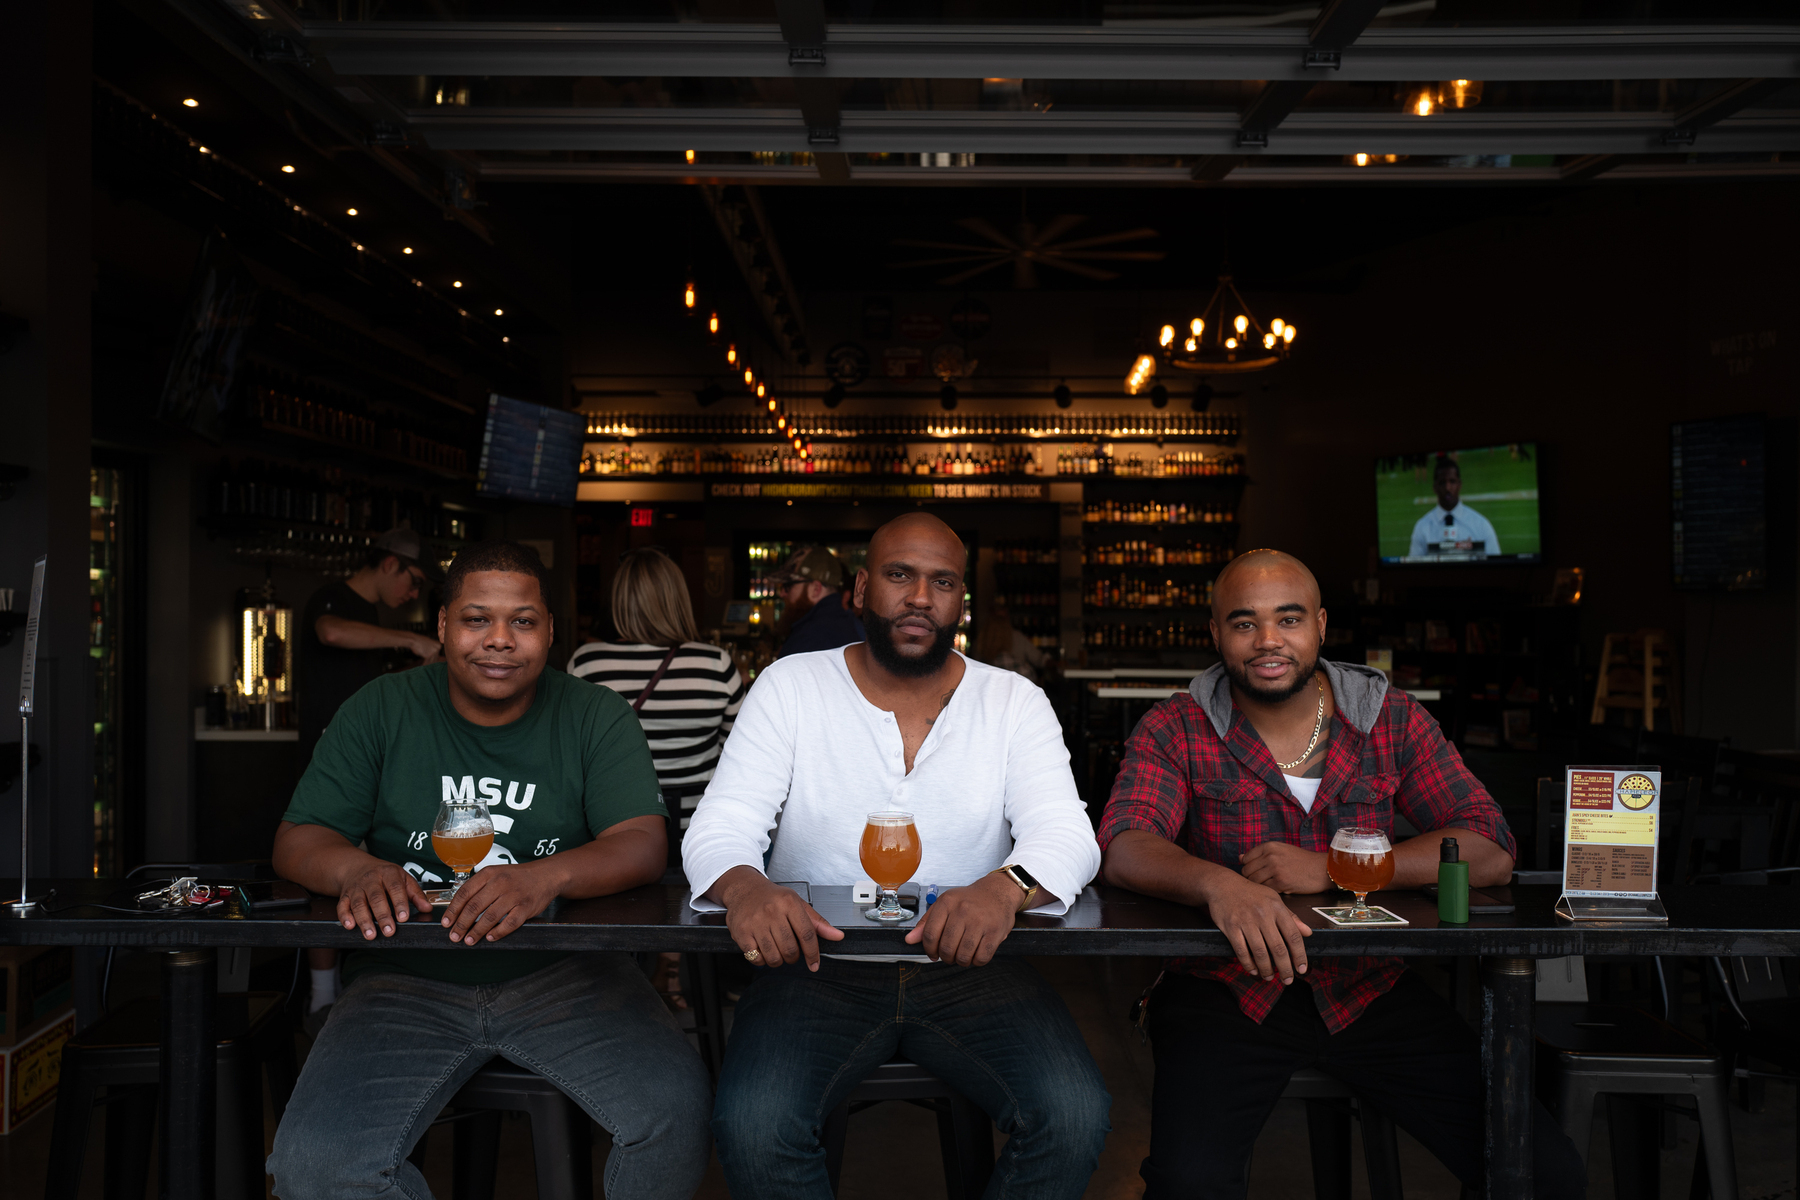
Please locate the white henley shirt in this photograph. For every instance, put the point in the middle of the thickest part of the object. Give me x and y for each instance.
(810, 758)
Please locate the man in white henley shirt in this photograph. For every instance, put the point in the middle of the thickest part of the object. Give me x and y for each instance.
(901, 722)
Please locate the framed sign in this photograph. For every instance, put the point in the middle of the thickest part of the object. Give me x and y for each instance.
(1611, 818)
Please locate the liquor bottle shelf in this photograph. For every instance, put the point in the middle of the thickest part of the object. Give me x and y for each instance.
(1220, 428)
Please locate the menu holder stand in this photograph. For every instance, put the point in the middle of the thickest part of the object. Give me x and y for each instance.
(27, 904)
(1610, 818)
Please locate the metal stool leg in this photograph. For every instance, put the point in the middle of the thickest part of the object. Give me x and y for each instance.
(1328, 1137)
(238, 1150)
(1381, 1152)
(831, 1137)
(130, 1130)
(561, 1145)
(1634, 1132)
(966, 1137)
(1715, 1138)
(476, 1151)
(68, 1137)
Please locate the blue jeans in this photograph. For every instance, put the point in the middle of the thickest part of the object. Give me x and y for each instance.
(398, 1047)
(998, 1034)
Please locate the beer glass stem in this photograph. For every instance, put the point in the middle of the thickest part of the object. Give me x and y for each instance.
(456, 883)
(1360, 910)
(889, 907)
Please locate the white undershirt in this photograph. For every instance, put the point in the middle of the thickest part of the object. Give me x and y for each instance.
(1306, 791)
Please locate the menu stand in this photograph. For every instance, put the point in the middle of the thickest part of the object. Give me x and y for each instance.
(1611, 816)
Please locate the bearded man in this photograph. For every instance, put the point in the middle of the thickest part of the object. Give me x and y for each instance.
(1229, 796)
(975, 754)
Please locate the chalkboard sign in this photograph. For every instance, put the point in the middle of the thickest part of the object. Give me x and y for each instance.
(1720, 521)
(530, 452)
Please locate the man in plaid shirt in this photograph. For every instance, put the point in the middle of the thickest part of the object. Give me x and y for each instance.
(1229, 797)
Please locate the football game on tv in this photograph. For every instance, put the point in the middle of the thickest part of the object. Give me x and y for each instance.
(1459, 506)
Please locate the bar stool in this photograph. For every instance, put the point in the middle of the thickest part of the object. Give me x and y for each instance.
(120, 1053)
(1329, 1103)
(1586, 1051)
(965, 1135)
(561, 1134)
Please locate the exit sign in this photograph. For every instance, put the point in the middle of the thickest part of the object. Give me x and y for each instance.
(643, 518)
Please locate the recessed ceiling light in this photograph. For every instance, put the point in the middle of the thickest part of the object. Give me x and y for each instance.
(287, 170)
(506, 339)
(190, 103)
(456, 283)
(350, 211)
(406, 249)
(499, 312)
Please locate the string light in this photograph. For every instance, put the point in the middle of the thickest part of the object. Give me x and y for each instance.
(749, 377)
(712, 323)
(687, 295)
(731, 355)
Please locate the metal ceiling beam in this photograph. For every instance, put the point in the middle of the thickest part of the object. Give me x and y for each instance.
(1726, 102)
(1058, 132)
(1261, 174)
(803, 28)
(1720, 51)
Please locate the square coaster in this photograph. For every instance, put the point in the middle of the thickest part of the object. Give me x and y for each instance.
(1378, 916)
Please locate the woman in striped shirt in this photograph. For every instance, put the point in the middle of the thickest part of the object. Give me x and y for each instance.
(689, 709)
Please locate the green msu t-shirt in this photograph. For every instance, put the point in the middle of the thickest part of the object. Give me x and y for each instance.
(575, 764)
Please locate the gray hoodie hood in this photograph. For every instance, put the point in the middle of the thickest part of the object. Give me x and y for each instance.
(1357, 691)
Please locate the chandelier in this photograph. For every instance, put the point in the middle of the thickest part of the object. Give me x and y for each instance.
(1226, 337)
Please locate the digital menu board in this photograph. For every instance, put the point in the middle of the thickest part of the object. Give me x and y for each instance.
(530, 452)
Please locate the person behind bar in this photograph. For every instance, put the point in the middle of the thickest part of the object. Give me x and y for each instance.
(901, 722)
(1451, 526)
(813, 616)
(566, 772)
(344, 646)
(1229, 796)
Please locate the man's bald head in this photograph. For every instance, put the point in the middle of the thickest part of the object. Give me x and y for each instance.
(916, 529)
(1260, 565)
(911, 594)
(1268, 625)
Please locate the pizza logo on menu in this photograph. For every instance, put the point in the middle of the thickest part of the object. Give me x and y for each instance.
(1637, 792)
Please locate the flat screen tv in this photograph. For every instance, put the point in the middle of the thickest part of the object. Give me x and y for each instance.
(530, 452)
(1459, 506)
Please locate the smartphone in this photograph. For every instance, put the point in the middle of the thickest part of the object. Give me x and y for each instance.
(1480, 903)
(262, 894)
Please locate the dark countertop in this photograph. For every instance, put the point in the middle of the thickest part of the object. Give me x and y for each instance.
(1106, 920)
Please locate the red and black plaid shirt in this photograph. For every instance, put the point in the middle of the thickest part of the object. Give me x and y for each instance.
(1219, 798)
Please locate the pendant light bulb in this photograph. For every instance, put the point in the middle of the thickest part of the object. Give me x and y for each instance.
(1166, 336)
(1241, 324)
(687, 295)
(749, 377)
(1287, 334)
(712, 323)
(731, 355)
(1196, 327)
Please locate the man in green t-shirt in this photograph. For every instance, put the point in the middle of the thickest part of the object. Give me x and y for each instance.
(566, 774)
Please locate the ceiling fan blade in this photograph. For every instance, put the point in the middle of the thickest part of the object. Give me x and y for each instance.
(980, 225)
(949, 259)
(1113, 255)
(972, 272)
(1061, 264)
(1106, 239)
(976, 247)
(1056, 228)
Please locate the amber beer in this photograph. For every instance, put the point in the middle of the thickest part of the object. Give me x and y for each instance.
(462, 854)
(890, 852)
(1361, 871)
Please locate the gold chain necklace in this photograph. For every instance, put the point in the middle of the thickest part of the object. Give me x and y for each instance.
(1318, 727)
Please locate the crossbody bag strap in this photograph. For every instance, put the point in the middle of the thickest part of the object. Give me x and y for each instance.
(650, 686)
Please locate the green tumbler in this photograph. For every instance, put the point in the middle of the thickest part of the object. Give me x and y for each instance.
(1453, 885)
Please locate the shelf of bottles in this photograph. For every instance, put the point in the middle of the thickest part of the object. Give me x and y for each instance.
(1145, 591)
(755, 426)
(1159, 513)
(321, 520)
(1175, 633)
(273, 403)
(1027, 552)
(897, 458)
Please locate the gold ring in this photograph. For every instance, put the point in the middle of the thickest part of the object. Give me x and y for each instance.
(753, 954)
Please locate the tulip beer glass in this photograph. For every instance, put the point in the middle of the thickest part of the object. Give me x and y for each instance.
(1360, 861)
(890, 854)
(461, 837)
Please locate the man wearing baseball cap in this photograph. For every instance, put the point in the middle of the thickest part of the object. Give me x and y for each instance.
(343, 646)
(810, 585)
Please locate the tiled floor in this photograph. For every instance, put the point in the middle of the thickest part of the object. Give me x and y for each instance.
(892, 1149)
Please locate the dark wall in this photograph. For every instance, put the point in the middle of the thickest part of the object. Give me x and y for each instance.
(1589, 325)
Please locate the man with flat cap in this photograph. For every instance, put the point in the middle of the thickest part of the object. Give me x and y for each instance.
(1229, 796)
(811, 587)
(977, 758)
